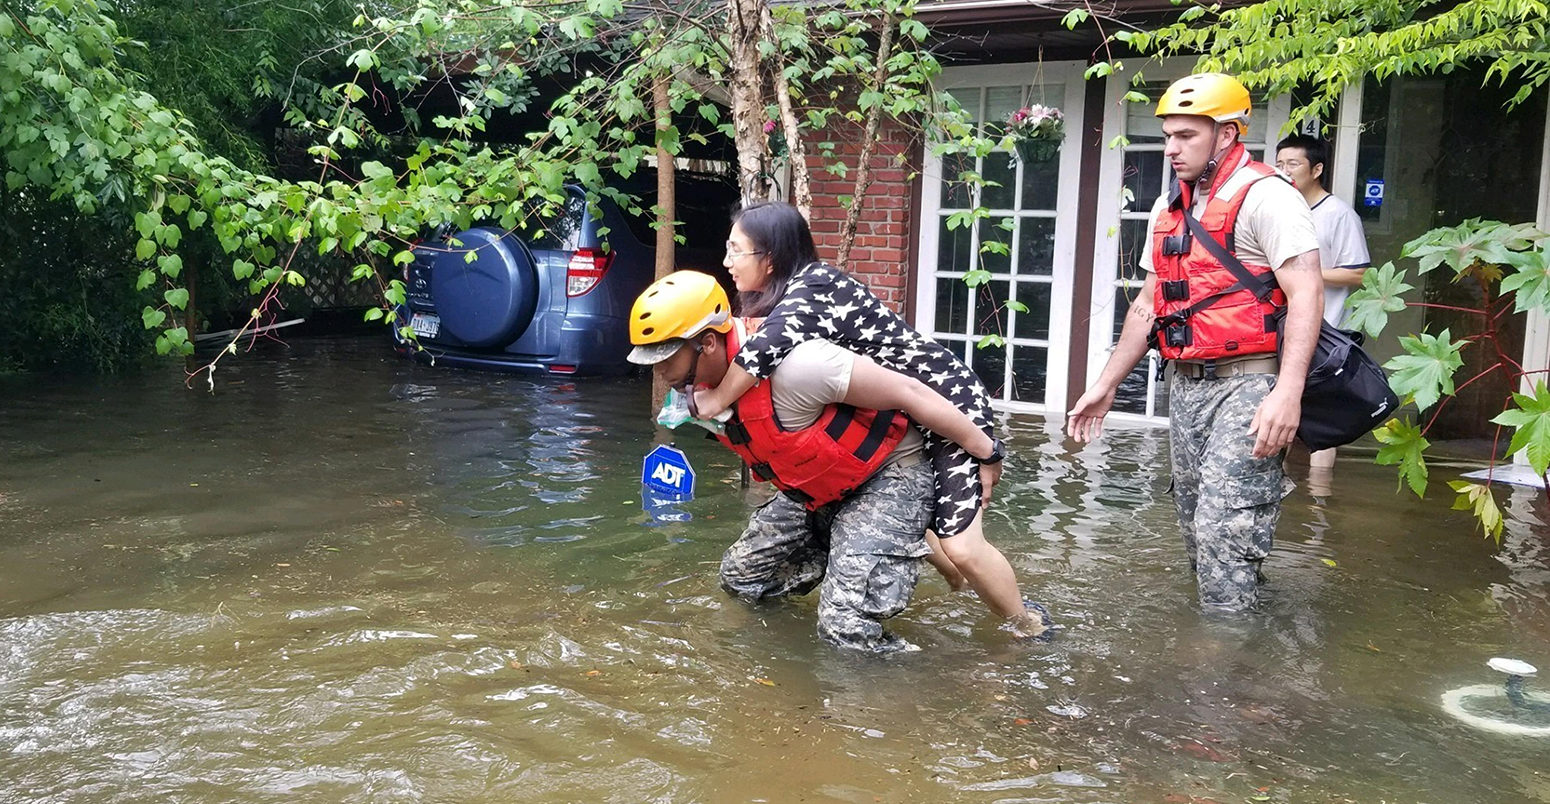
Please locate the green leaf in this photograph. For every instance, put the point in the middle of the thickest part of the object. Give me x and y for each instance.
(1425, 371)
(374, 313)
(1477, 498)
(1530, 281)
(152, 317)
(1403, 445)
(145, 280)
(1382, 292)
(242, 269)
(1073, 18)
(177, 297)
(145, 249)
(977, 277)
(170, 264)
(1530, 419)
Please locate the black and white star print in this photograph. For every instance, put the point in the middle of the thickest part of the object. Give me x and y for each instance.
(823, 302)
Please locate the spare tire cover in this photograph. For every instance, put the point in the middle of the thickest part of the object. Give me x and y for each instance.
(489, 301)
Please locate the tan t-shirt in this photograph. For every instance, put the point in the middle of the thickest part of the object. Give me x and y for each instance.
(1273, 226)
(814, 375)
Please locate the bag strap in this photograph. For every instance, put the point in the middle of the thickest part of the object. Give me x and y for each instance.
(1266, 284)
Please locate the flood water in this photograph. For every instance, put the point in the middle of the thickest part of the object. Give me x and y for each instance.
(342, 577)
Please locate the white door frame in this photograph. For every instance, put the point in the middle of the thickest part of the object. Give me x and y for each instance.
(1058, 348)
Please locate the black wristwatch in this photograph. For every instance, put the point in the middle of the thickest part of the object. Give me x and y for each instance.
(997, 452)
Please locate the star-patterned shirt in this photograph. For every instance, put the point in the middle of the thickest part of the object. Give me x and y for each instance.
(823, 302)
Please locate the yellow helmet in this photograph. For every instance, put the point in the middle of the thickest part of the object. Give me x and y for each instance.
(674, 308)
(1215, 95)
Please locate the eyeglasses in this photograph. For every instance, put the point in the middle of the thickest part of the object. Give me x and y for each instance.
(1288, 164)
(736, 254)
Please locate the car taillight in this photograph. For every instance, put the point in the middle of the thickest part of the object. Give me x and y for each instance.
(586, 269)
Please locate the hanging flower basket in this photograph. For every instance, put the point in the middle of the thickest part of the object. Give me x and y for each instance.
(1036, 132)
(1032, 152)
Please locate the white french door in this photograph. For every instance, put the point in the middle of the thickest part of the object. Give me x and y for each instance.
(1012, 327)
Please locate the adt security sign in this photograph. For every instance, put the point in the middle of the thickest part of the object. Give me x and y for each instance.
(1373, 197)
(667, 470)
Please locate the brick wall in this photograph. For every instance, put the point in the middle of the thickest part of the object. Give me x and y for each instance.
(880, 256)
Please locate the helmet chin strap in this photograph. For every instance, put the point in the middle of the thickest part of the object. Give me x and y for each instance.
(1211, 166)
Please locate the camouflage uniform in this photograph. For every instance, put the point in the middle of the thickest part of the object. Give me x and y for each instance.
(865, 550)
(1228, 501)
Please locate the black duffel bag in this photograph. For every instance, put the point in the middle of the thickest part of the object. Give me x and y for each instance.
(1346, 394)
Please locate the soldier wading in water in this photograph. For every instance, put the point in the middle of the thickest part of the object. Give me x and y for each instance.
(1233, 406)
(832, 430)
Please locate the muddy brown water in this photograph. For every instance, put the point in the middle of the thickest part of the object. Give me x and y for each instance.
(342, 577)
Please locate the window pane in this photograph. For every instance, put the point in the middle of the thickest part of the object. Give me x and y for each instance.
(991, 232)
(1029, 370)
(1000, 102)
(1141, 121)
(999, 168)
(952, 252)
(1132, 239)
(1143, 178)
(1036, 247)
(990, 308)
(956, 194)
(990, 364)
(952, 305)
(1035, 322)
(1041, 182)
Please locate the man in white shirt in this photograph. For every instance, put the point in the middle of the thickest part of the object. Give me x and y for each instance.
(1342, 246)
(1343, 254)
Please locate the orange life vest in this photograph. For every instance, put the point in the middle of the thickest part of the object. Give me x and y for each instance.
(1204, 312)
(820, 463)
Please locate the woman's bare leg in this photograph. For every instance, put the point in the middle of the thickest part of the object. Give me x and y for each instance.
(943, 564)
(991, 576)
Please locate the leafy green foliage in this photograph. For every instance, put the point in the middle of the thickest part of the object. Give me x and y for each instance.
(1404, 446)
(1425, 372)
(79, 122)
(1478, 499)
(1326, 45)
(1529, 415)
(1382, 292)
(1471, 243)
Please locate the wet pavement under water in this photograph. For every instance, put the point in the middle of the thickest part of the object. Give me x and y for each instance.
(342, 577)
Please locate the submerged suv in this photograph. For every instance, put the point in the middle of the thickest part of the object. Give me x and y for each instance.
(558, 302)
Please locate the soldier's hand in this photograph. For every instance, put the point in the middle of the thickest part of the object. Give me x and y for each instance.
(1084, 422)
(1275, 422)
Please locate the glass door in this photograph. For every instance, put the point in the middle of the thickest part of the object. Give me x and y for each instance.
(997, 290)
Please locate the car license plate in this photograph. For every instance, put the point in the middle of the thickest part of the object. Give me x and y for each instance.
(425, 325)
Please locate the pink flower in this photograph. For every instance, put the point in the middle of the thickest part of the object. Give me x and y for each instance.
(769, 126)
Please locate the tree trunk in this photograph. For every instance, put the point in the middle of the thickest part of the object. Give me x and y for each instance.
(667, 210)
(796, 152)
(743, 27)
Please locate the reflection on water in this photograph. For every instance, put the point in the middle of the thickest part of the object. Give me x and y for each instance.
(344, 577)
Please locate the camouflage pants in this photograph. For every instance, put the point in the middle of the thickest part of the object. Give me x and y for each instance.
(864, 551)
(1228, 501)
